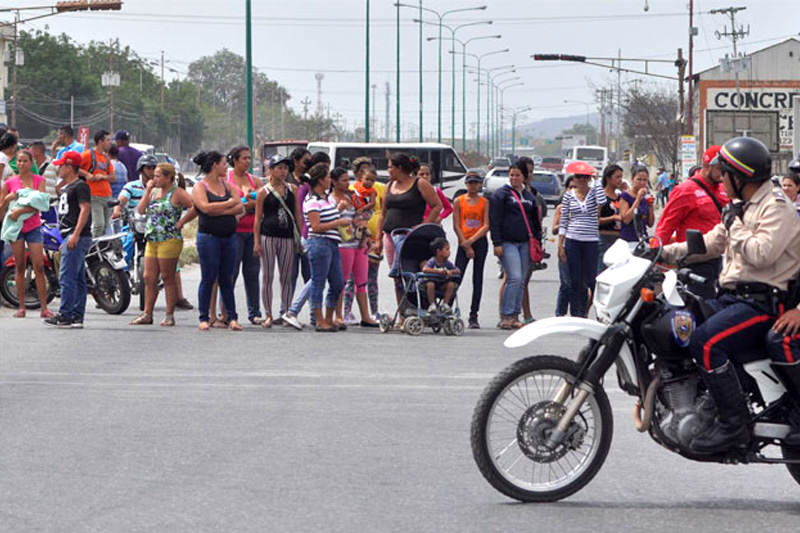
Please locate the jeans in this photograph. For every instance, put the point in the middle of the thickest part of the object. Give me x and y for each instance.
(323, 254)
(217, 259)
(301, 265)
(72, 278)
(481, 248)
(582, 265)
(562, 300)
(301, 299)
(101, 213)
(250, 267)
(516, 260)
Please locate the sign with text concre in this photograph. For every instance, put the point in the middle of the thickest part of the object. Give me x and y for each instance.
(770, 99)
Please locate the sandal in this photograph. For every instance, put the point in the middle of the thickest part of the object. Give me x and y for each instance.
(218, 323)
(20, 313)
(328, 329)
(234, 325)
(203, 326)
(169, 320)
(142, 320)
(267, 322)
(46, 313)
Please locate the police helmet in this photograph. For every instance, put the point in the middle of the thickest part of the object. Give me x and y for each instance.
(745, 158)
(146, 160)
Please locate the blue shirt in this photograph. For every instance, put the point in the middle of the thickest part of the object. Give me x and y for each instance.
(122, 178)
(433, 264)
(133, 191)
(74, 145)
(663, 180)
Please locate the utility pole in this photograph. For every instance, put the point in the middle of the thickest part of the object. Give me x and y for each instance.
(736, 64)
(111, 86)
(681, 64)
(366, 82)
(397, 81)
(690, 108)
(305, 103)
(14, 73)
(372, 118)
(248, 78)
(387, 131)
(162, 80)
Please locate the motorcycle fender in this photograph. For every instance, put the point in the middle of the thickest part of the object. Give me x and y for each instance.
(768, 383)
(570, 326)
(117, 262)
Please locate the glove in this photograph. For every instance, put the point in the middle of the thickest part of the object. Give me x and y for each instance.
(730, 212)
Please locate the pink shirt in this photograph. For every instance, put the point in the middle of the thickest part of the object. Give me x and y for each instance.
(246, 222)
(447, 207)
(13, 185)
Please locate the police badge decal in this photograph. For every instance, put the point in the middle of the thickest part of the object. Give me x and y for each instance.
(682, 327)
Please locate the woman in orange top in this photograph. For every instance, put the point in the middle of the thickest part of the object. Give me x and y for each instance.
(471, 224)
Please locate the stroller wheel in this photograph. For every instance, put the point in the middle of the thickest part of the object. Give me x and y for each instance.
(385, 323)
(447, 326)
(458, 327)
(413, 325)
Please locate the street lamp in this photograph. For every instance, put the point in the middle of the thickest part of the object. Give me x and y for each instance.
(514, 114)
(515, 82)
(464, 80)
(453, 40)
(498, 71)
(441, 17)
(479, 58)
(587, 104)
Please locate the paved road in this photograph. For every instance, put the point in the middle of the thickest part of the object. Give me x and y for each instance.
(115, 428)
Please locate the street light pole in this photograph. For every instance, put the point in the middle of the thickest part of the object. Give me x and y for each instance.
(514, 127)
(397, 77)
(248, 73)
(499, 122)
(366, 82)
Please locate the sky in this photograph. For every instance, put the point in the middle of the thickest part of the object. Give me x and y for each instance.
(292, 41)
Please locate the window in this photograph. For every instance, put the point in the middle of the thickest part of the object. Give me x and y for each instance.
(723, 125)
(542, 177)
(590, 154)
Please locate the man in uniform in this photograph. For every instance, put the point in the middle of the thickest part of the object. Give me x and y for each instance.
(696, 203)
(760, 238)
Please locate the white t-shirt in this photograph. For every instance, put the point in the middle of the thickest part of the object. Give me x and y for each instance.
(7, 170)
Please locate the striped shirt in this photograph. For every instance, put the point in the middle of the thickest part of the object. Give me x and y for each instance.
(579, 219)
(326, 207)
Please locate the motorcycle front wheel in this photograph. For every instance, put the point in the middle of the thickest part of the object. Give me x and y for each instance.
(513, 419)
(112, 290)
(8, 286)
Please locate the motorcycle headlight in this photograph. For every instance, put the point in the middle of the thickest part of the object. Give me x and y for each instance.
(602, 293)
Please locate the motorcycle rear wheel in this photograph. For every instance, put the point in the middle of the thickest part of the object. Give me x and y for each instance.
(8, 287)
(518, 403)
(112, 290)
(792, 453)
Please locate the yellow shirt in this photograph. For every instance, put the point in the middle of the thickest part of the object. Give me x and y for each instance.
(380, 192)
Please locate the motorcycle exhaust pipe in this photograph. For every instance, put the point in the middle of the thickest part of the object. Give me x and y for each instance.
(642, 423)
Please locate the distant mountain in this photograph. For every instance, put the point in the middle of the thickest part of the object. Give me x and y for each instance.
(550, 127)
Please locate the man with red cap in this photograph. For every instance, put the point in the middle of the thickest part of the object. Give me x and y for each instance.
(696, 204)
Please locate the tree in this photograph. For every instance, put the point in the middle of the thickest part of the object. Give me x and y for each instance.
(651, 118)
(584, 129)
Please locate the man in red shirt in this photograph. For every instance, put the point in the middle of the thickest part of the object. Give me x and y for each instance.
(696, 204)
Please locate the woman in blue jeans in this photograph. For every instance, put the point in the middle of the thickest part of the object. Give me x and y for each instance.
(578, 234)
(323, 219)
(513, 219)
(218, 210)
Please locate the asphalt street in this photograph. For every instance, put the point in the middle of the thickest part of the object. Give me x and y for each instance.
(120, 428)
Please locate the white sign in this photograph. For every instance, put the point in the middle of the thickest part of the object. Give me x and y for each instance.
(777, 99)
(688, 153)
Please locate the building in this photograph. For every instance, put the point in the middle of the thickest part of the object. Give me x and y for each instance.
(758, 104)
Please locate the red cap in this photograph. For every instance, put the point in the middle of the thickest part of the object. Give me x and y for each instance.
(69, 158)
(580, 168)
(710, 153)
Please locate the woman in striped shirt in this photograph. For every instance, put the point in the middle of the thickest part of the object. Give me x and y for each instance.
(323, 220)
(578, 235)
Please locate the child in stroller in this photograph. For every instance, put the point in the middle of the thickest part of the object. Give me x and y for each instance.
(419, 276)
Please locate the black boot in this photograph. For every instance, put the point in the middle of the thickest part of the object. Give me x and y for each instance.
(789, 374)
(730, 428)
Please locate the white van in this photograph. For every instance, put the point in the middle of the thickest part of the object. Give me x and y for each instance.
(597, 156)
(448, 169)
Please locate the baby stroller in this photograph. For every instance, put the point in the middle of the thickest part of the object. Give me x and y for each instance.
(414, 306)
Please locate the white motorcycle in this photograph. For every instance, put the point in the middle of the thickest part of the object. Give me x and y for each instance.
(543, 426)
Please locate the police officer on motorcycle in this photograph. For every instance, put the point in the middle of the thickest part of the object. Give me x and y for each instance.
(760, 239)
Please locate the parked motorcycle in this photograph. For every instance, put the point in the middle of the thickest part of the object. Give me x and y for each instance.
(106, 276)
(542, 428)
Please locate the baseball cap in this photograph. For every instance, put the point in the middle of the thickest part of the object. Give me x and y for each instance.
(122, 135)
(711, 153)
(473, 178)
(277, 159)
(70, 157)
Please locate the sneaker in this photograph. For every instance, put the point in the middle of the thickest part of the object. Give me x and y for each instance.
(473, 323)
(77, 323)
(432, 308)
(350, 319)
(58, 321)
(444, 309)
(290, 320)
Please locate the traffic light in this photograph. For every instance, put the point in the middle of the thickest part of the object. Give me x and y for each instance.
(558, 57)
(572, 58)
(88, 5)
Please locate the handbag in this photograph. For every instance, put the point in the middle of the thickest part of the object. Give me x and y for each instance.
(298, 241)
(534, 246)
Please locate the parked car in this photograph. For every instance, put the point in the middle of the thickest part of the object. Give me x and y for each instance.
(553, 164)
(500, 162)
(497, 177)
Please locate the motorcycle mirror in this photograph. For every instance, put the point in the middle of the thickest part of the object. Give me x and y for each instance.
(696, 244)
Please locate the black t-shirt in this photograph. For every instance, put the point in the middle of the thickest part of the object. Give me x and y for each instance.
(610, 208)
(276, 221)
(69, 208)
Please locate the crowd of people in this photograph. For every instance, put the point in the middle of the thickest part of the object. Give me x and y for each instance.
(332, 226)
